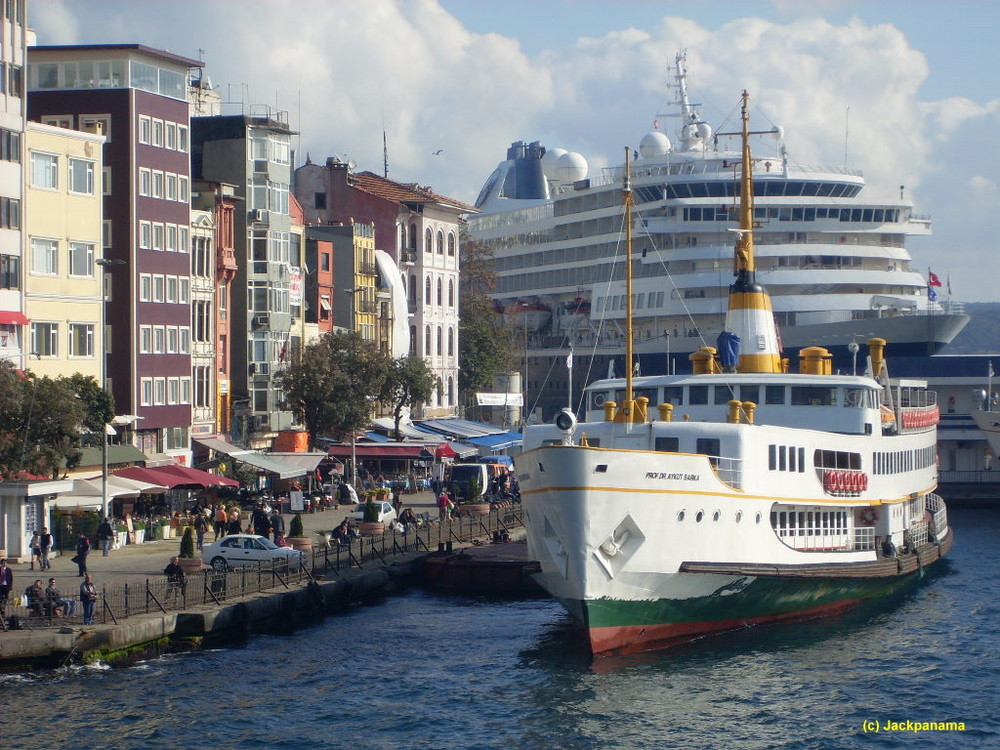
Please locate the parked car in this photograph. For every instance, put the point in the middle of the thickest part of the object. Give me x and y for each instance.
(386, 513)
(248, 549)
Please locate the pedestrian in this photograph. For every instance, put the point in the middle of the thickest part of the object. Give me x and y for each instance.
(443, 503)
(220, 521)
(36, 551)
(88, 598)
(44, 548)
(278, 528)
(6, 586)
(56, 603)
(176, 581)
(105, 535)
(82, 550)
(234, 527)
(200, 529)
(260, 520)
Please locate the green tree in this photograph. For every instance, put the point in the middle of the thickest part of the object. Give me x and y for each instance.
(485, 346)
(40, 423)
(410, 380)
(332, 386)
(98, 404)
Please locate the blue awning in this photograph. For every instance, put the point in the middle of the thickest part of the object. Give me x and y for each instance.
(497, 442)
(461, 428)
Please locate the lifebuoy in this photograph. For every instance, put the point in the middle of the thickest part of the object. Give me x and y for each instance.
(869, 516)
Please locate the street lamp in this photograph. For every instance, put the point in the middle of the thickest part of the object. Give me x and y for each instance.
(104, 263)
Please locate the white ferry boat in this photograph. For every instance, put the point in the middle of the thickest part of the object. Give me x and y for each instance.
(833, 258)
(685, 505)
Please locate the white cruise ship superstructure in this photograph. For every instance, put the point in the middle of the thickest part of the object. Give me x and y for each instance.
(834, 262)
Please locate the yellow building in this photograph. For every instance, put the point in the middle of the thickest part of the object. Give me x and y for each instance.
(63, 246)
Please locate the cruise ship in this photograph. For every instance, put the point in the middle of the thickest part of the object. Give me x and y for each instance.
(834, 261)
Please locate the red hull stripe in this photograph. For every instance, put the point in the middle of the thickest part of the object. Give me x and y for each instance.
(627, 639)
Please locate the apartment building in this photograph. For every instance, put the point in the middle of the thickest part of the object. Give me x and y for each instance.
(63, 273)
(137, 97)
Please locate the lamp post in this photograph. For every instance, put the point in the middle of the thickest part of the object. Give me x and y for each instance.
(104, 263)
(354, 327)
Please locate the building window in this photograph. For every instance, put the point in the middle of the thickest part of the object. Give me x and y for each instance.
(81, 259)
(145, 182)
(427, 290)
(158, 231)
(159, 286)
(145, 339)
(45, 339)
(44, 171)
(440, 341)
(440, 297)
(159, 391)
(146, 385)
(451, 244)
(106, 181)
(324, 261)
(145, 287)
(81, 339)
(157, 132)
(10, 272)
(44, 257)
(159, 339)
(428, 241)
(451, 342)
(10, 145)
(172, 289)
(171, 133)
(145, 129)
(171, 194)
(157, 184)
(182, 138)
(427, 341)
(440, 242)
(319, 201)
(99, 124)
(145, 235)
(81, 176)
(10, 213)
(451, 292)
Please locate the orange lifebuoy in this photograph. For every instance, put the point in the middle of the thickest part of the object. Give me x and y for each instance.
(869, 516)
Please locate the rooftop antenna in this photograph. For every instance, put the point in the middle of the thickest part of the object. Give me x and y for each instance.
(385, 155)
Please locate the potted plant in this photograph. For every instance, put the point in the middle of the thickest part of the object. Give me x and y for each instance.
(297, 538)
(187, 559)
(370, 524)
(121, 535)
(473, 504)
(140, 531)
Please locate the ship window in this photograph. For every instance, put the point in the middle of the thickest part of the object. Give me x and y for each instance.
(667, 444)
(601, 468)
(802, 460)
(813, 396)
(750, 393)
(739, 516)
(709, 447)
(772, 457)
(698, 394)
(673, 394)
(782, 458)
(698, 516)
(716, 515)
(757, 519)
(774, 394)
(680, 516)
(723, 393)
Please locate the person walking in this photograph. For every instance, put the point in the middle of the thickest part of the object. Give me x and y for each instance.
(82, 550)
(200, 529)
(36, 551)
(45, 547)
(278, 527)
(88, 598)
(105, 535)
(220, 521)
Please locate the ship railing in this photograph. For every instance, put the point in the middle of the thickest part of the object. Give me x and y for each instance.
(815, 539)
(864, 538)
(918, 533)
(728, 470)
(613, 175)
(939, 515)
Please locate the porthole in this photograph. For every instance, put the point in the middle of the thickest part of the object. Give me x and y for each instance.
(698, 516)
(757, 519)
(680, 516)
(739, 516)
(716, 516)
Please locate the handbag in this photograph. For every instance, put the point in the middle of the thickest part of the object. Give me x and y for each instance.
(75, 560)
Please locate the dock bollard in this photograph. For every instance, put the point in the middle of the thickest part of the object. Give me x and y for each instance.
(440, 546)
(449, 545)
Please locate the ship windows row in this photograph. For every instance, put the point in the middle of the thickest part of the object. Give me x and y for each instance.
(729, 189)
(795, 213)
(786, 458)
(809, 522)
(896, 462)
(700, 395)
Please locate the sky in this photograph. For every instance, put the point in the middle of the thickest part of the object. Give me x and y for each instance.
(904, 90)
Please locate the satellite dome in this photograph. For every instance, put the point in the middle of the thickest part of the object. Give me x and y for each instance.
(704, 131)
(654, 144)
(549, 162)
(571, 167)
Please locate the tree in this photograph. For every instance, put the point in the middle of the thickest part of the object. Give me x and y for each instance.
(410, 380)
(40, 423)
(332, 386)
(485, 346)
(98, 404)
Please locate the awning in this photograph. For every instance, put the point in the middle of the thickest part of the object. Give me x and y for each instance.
(197, 477)
(406, 429)
(263, 461)
(401, 451)
(117, 454)
(307, 461)
(497, 442)
(460, 429)
(444, 451)
(151, 476)
(13, 318)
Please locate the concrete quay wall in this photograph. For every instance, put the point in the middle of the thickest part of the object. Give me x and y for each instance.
(147, 636)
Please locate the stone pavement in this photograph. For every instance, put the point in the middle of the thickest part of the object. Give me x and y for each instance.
(138, 562)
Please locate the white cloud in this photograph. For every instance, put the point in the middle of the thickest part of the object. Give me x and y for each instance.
(346, 70)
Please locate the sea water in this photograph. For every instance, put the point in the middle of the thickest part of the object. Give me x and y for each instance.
(421, 670)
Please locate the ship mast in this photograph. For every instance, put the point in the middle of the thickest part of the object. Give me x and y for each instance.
(750, 318)
(627, 200)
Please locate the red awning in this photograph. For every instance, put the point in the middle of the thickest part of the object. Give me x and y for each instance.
(197, 476)
(152, 476)
(445, 451)
(13, 318)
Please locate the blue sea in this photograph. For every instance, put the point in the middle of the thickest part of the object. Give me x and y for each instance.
(421, 670)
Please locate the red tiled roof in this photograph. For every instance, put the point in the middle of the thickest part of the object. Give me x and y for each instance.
(399, 192)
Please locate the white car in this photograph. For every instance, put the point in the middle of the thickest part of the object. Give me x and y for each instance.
(248, 549)
(386, 513)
